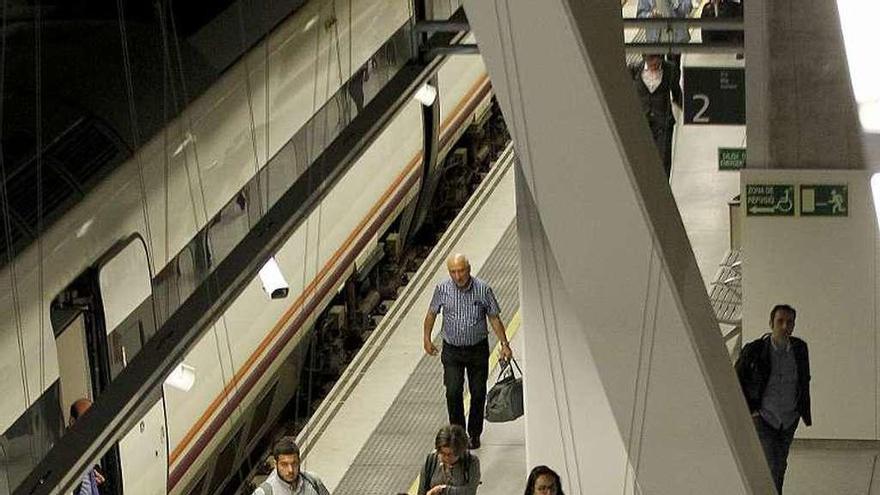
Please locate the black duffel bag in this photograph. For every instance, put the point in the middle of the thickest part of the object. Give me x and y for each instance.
(504, 402)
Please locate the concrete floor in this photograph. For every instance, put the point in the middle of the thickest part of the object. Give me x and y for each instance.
(503, 451)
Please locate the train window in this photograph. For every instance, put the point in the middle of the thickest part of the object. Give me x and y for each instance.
(125, 283)
(28, 440)
(126, 292)
(186, 274)
(228, 228)
(125, 342)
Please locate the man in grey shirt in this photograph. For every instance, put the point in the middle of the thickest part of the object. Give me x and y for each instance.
(774, 373)
(287, 478)
(466, 303)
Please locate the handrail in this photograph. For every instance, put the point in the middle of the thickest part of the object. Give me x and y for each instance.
(661, 47)
(704, 23)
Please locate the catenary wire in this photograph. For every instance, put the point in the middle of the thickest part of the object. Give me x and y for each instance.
(38, 105)
(7, 213)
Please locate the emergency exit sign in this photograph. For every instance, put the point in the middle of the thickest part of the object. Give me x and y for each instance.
(827, 200)
(731, 158)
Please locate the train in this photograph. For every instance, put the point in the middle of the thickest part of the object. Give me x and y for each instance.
(81, 302)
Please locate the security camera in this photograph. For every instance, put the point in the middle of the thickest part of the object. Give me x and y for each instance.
(273, 280)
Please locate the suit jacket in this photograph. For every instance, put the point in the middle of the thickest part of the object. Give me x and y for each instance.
(657, 106)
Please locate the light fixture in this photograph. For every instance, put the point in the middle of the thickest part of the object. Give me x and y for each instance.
(84, 228)
(182, 378)
(310, 24)
(273, 280)
(187, 140)
(426, 95)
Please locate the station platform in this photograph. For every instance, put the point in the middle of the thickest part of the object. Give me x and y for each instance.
(371, 434)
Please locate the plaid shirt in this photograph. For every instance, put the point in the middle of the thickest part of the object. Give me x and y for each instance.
(464, 310)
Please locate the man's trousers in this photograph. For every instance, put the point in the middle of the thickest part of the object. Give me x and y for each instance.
(776, 442)
(473, 361)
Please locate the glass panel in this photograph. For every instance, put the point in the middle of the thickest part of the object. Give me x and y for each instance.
(291, 165)
(227, 228)
(125, 283)
(28, 440)
(443, 9)
(125, 342)
(126, 295)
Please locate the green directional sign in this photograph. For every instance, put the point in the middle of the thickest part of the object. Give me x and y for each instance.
(770, 199)
(826, 200)
(731, 158)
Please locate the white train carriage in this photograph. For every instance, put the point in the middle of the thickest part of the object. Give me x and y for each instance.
(78, 314)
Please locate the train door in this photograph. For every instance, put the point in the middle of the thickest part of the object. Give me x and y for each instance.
(125, 288)
(101, 322)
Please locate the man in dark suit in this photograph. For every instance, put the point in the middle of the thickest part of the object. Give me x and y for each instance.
(656, 81)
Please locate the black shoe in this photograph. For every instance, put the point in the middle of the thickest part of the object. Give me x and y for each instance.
(473, 443)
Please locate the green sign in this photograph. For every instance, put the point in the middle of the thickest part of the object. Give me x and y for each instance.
(731, 158)
(770, 199)
(827, 200)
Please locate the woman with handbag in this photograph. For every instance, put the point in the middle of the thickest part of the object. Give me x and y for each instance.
(450, 469)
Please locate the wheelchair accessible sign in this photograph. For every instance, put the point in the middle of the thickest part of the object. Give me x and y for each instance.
(770, 200)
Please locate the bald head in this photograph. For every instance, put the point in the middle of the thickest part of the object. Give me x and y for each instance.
(459, 269)
(78, 408)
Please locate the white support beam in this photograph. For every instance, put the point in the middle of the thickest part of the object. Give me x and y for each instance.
(611, 288)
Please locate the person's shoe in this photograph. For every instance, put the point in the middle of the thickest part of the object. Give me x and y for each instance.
(473, 443)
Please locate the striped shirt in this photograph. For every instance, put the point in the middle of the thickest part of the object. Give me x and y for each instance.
(464, 310)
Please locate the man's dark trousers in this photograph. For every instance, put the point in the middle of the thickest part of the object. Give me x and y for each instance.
(473, 360)
(776, 442)
(662, 133)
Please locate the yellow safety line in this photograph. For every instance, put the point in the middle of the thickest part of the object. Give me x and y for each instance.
(510, 331)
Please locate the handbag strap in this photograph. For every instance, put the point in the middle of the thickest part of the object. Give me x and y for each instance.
(517, 365)
(507, 369)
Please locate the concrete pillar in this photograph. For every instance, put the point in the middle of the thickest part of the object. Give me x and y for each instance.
(563, 386)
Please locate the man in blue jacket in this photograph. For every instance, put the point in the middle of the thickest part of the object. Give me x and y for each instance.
(774, 372)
